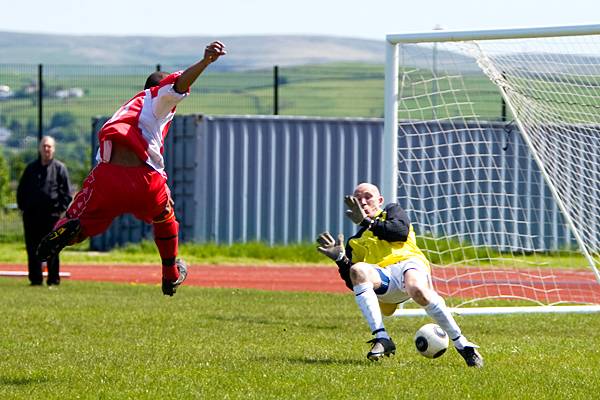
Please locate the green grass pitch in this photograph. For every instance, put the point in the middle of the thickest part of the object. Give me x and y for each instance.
(115, 341)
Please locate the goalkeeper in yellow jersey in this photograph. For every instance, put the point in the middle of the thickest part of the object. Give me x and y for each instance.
(383, 266)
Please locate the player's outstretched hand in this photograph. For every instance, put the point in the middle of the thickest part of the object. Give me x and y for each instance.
(213, 51)
(355, 212)
(332, 248)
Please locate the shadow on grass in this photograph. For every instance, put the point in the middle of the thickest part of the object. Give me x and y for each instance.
(254, 320)
(22, 380)
(314, 361)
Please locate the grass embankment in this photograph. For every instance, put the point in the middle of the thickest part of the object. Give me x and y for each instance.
(441, 252)
(207, 253)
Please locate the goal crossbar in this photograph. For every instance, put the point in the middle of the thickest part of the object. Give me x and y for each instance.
(493, 34)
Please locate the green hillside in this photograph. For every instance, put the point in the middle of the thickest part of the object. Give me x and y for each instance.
(244, 52)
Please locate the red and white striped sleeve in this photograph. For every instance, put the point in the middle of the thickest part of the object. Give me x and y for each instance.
(164, 96)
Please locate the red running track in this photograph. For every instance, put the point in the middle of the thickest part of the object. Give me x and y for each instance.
(545, 285)
(285, 278)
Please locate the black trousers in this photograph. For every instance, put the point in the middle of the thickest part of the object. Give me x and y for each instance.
(36, 227)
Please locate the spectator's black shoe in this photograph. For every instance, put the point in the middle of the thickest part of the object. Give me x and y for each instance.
(381, 347)
(170, 287)
(56, 240)
(471, 356)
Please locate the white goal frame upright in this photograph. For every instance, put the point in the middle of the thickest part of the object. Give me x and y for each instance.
(390, 158)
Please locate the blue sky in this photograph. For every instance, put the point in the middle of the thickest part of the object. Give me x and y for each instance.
(370, 19)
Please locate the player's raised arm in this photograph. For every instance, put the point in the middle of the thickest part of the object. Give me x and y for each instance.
(212, 52)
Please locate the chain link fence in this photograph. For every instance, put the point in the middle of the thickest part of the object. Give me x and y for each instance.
(72, 96)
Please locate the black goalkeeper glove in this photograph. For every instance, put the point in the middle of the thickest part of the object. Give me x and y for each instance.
(356, 213)
(330, 247)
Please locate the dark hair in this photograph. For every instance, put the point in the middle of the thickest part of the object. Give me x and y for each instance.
(155, 78)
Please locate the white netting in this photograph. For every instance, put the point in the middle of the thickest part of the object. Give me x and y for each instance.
(487, 182)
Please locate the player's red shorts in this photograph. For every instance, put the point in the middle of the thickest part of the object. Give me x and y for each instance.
(111, 190)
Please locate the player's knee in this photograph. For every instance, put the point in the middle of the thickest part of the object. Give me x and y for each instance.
(417, 286)
(165, 228)
(166, 215)
(418, 295)
(162, 223)
(421, 294)
(359, 273)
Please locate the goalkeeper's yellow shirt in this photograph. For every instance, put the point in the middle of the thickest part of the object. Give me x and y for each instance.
(382, 244)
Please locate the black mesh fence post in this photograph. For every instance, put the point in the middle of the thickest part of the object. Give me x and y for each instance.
(275, 90)
(40, 102)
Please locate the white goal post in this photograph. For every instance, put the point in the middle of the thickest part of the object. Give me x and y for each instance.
(492, 145)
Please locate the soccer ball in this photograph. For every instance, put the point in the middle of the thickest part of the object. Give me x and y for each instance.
(431, 341)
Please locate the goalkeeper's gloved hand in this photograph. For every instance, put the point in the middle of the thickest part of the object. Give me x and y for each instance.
(355, 212)
(333, 249)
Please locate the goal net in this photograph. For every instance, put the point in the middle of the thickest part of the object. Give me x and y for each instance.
(496, 139)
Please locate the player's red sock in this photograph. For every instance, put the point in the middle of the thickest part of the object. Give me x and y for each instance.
(166, 239)
(170, 273)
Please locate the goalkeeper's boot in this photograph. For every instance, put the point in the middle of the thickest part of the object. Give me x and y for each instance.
(471, 355)
(65, 233)
(381, 347)
(170, 287)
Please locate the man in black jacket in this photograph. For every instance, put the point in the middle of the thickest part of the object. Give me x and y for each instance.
(43, 194)
(384, 267)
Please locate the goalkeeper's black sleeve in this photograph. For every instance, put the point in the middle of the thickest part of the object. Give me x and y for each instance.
(395, 227)
(344, 270)
(346, 262)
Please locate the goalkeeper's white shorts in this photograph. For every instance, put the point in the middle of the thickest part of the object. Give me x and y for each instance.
(392, 289)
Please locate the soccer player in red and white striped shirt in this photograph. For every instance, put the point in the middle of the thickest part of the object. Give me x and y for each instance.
(130, 175)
